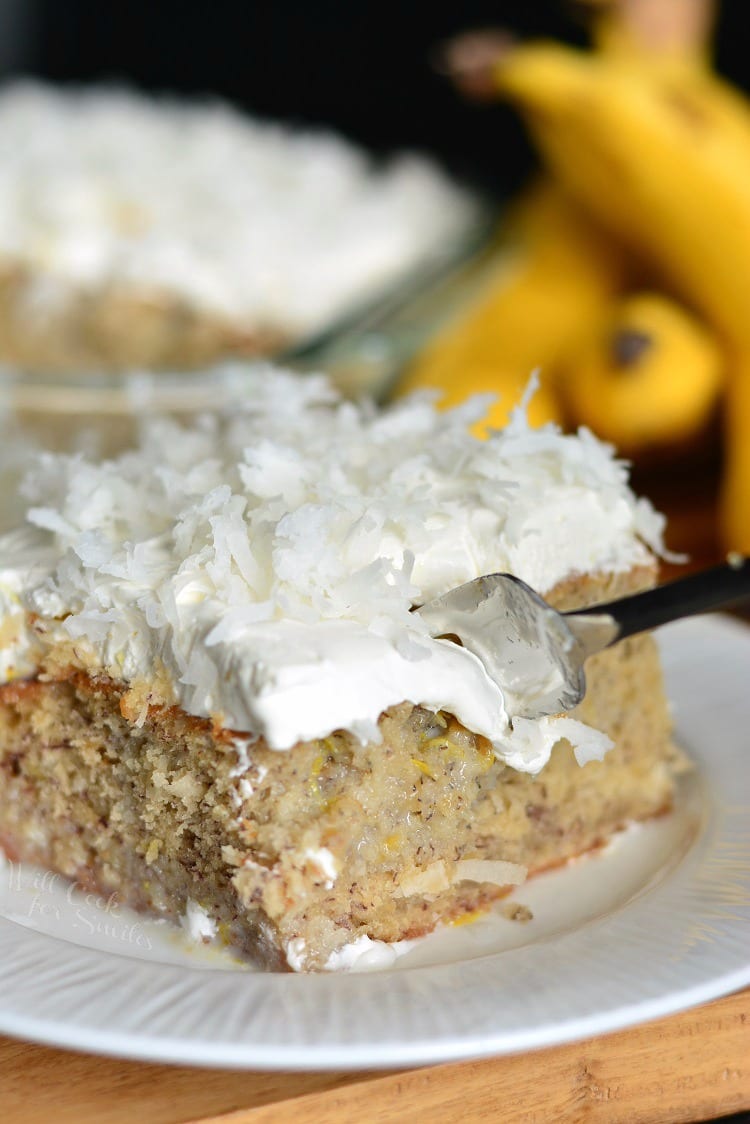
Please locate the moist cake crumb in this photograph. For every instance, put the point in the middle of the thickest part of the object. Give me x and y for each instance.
(218, 704)
(515, 911)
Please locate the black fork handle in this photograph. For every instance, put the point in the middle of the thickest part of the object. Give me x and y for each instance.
(716, 588)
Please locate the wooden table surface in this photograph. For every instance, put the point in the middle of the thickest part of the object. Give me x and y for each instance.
(688, 1067)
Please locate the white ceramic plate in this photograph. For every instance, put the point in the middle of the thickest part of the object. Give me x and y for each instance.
(658, 922)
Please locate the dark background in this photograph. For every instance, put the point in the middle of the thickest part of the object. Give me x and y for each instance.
(362, 67)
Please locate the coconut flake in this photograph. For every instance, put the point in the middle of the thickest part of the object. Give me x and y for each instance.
(296, 953)
(432, 879)
(496, 871)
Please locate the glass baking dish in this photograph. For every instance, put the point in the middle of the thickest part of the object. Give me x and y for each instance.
(98, 413)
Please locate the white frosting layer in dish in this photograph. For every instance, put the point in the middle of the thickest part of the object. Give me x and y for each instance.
(268, 561)
(278, 229)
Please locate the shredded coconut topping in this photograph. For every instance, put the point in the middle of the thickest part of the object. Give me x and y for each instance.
(269, 560)
(250, 220)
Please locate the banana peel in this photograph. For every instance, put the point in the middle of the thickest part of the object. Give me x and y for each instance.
(649, 376)
(647, 150)
(542, 300)
(664, 166)
(661, 157)
(734, 500)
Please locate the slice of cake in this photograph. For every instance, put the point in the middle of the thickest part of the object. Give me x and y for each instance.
(156, 233)
(218, 701)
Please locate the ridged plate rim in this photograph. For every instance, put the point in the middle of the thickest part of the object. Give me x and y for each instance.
(680, 942)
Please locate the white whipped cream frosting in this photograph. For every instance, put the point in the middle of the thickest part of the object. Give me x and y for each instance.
(269, 560)
(274, 228)
(366, 955)
(198, 923)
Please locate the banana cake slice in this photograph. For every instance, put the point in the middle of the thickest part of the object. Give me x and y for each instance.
(217, 702)
(161, 233)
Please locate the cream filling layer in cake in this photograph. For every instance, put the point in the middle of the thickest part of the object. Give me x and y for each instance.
(260, 570)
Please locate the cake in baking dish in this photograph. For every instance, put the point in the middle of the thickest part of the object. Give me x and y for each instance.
(156, 233)
(218, 702)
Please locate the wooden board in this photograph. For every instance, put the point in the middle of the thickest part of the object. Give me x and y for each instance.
(689, 1067)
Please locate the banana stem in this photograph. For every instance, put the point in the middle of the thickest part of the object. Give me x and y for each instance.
(469, 60)
(676, 29)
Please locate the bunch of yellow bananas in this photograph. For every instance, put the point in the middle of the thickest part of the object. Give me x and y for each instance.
(631, 286)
